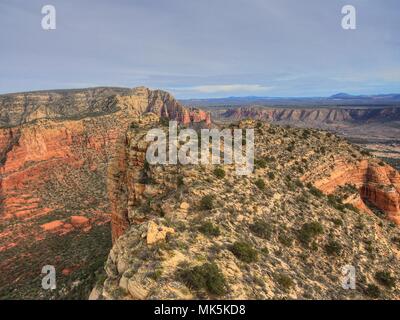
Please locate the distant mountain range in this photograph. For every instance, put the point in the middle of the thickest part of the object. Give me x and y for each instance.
(339, 99)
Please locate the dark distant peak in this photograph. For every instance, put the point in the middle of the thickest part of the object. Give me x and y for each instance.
(343, 95)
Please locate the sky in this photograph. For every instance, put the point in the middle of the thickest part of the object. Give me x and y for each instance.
(202, 48)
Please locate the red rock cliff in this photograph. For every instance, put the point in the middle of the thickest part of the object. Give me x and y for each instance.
(378, 184)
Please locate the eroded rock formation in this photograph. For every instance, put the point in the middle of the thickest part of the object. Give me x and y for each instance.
(378, 184)
(54, 150)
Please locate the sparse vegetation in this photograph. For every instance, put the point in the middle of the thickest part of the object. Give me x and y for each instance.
(333, 248)
(219, 173)
(385, 279)
(260, 184)
(244, 252)
(207, 202)
(373, 291)
(204, 277)
(309, 231)
(284, 281)
(261, 229)
(209, 229)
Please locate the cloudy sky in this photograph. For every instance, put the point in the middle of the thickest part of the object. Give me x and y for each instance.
(202, 48)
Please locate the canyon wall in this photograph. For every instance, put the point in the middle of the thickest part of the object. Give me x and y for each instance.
(378, 184)
(315, 115)
(54, 151)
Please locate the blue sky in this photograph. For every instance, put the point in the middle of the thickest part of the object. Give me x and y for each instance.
(203, 48)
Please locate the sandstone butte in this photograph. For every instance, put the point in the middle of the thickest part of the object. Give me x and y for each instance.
(54, 150)
(72, 154)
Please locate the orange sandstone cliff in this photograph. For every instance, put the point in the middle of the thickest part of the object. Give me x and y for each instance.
(378, 184)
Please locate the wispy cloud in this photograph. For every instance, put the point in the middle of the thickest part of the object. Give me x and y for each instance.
(225, 88)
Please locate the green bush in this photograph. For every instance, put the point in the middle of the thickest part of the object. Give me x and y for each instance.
(209, 229)
(219, 173)
(284, 281)
(333, 248)
(385, 279)
(260, 184)
(299, 183)
(244, 252)
(155, 275)
(309, 231)
(134, 125)
(260, 163)
(261, 229)
(271, 175)
(285, 240)
(315, 191)
(207, 202)
(180, 181)
(205, 277)
(372, 291)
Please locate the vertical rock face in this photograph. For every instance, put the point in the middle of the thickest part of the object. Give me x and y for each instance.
(378, 184)
(42, 139)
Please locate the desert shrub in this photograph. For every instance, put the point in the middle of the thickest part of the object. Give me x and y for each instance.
(146, 179)
(314, 191)
(207, 202)
(336, 202)
(271, 175)
(261, 229)
(155, 275)
(205, 277)
(285, 240)
(385, 279)
(372, 291)
(260, 184)
(337, 222)
(260, 163)
(244, 252)
(209, 229)
(333, 248)
(309, 231)
(290, 148)
(134, 125)
(299, 183)
(219, 173)
(349, 206)
(284, 281)
(306, 133)
(179, 181)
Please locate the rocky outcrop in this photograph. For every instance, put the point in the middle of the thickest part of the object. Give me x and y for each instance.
(378, 184)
